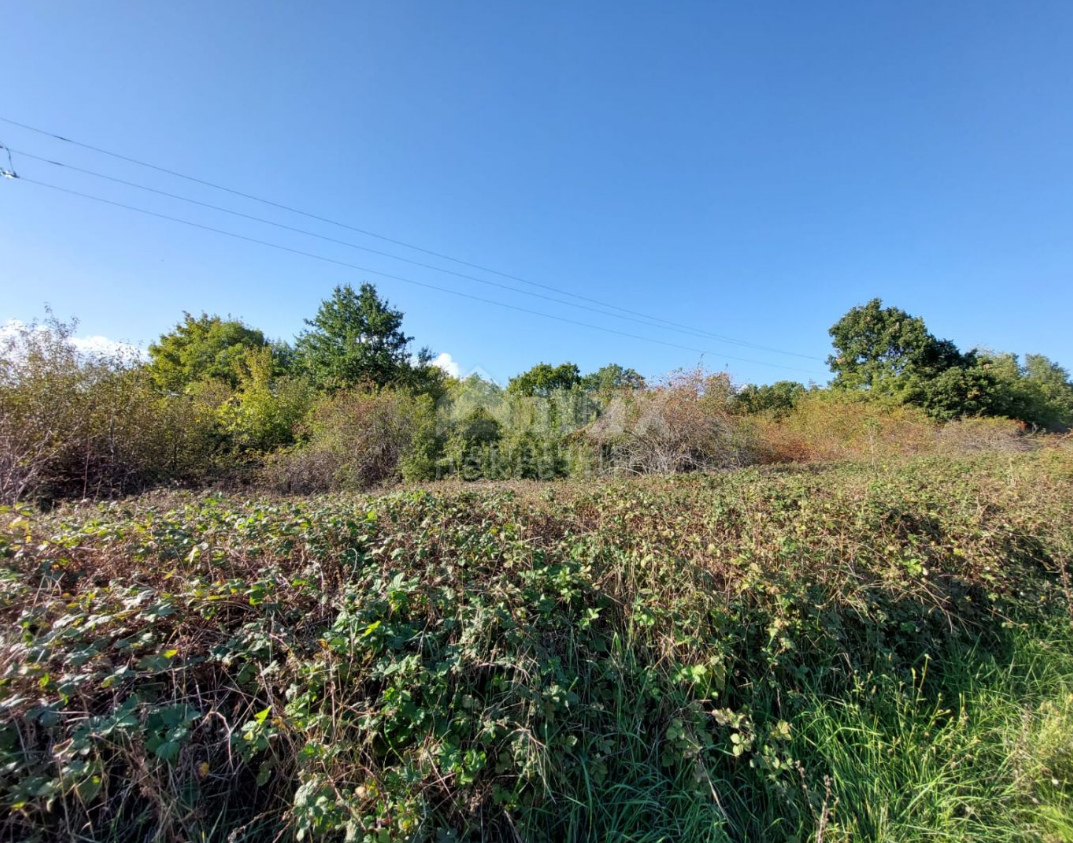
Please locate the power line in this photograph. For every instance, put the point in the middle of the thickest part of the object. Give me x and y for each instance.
(404, 280)
(283, 226)
(403, 243)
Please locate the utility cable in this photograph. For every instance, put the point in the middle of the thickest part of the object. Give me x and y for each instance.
(283, 226)
(392, 277)
(403, 243)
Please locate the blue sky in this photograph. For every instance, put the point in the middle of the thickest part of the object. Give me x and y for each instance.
(751, 170)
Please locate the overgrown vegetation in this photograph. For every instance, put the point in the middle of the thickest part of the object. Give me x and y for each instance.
(350, 408)
(859, 651)
(692, 637)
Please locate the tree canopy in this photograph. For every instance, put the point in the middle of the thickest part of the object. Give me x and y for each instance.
(543, 379)
(356, 337)
(201, 348)
(886, 351)
(612, 378)
(776, 399)
(884, 348)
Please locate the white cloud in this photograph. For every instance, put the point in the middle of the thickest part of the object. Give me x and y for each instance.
(108, 347)
(92, 345)
(446, 362)
(10, 328)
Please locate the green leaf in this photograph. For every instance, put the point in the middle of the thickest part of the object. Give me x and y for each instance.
(89, 788)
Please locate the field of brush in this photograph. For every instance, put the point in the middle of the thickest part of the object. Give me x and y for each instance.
(844, 652)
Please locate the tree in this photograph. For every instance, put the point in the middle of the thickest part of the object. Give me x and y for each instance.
(968, 391)
(355, 338)
(1038, 392)
(612, 378)
(885, 349)
(202, 348)
(543, 379)
(266, 409)
(421, 377)
(777, 399)
(1051, 382)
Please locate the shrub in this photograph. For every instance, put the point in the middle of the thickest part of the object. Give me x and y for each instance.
(982, 434)
(685, 424)
(493, 434)
(266, 410)
(356, 440)
(73, 425)
(757, 655)
(839, 424)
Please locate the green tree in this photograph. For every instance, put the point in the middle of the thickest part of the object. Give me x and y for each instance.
(266, 409)
(356, 337)
(967, 391)
(612, 378)
(777, 399)
(202, 348)
(422, 378)
(1038, 392)
(1052, 383)
(543, 379)
(886, 350)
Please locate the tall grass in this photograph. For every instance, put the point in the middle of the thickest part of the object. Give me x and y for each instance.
(975, 747)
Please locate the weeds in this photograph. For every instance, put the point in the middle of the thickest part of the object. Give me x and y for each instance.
(823, 653)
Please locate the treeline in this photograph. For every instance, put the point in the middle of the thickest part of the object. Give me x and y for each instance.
(348, 405)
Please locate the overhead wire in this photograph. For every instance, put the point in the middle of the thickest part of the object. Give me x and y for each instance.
(399, 278)
(403, 243)
(349, 244)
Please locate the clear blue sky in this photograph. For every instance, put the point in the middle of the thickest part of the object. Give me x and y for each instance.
(753, 170)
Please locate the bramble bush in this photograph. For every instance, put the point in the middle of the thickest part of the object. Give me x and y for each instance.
(776, 654)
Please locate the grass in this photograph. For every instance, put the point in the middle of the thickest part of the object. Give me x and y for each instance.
(836, 653)
(985, 754)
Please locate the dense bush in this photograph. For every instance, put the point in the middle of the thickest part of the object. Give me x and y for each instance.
(851, 653)
(266, 410)
(218, 403)
(839, 424)
(495, 434)
(73, 425)
(356, 440)
(685, 424)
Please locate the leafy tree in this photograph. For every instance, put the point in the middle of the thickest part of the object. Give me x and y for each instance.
(474, 391)
(356, 337)
(778, 398)
(612, 378)
(1037, 392)
(202, 348)
(543, 379)
(1052, 383)
(885, 349)
(266, 409)
(968, 391)
(479, 427)
(988, 384)
(420, 377)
